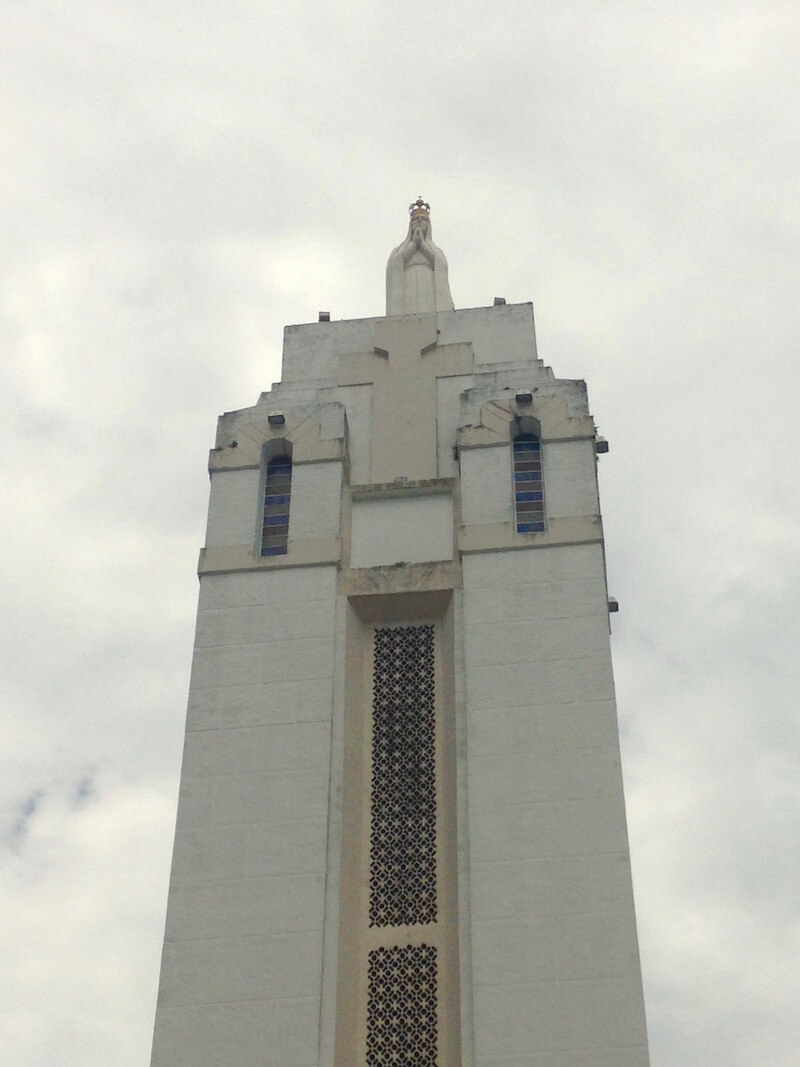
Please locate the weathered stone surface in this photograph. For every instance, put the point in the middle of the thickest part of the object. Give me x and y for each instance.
(402, 512)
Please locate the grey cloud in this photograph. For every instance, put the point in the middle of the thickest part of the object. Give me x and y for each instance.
(83, 791)
(22, 815)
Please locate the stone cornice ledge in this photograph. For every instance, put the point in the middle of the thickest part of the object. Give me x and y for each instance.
(314, 552)
(501, 536)
(400, 578)
(233, 458)
(480, 437)
(387, 490)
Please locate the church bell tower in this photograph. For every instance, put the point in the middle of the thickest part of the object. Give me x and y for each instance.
(401, 832)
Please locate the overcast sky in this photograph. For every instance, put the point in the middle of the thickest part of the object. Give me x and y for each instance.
(180, 182)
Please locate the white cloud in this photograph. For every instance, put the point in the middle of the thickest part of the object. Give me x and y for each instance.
(80, 945)
(183, 183)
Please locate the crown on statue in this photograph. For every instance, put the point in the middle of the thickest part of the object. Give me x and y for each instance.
(419, 207)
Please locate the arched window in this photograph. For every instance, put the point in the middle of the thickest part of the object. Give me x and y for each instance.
(277, 493)
(528, 486)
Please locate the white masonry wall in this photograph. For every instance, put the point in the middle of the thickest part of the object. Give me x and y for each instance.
(498, 334)
(233, 509)
(242, 963)
(550, 974)
(487, 484)
(554, 952)
(416, 529)
(315, 501)
(570, 483)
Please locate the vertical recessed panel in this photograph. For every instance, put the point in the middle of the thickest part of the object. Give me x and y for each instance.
(402, 882)
(277, 496)
(528, 487)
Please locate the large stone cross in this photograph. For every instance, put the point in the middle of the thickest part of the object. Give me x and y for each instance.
(402, 370)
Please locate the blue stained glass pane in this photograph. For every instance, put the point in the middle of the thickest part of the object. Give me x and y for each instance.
(530, 527)
(276, 520)
(280, 550)
(526, 446)
(529, 496)
(527, 476)
(279, 498)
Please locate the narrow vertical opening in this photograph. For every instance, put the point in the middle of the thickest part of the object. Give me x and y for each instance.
(402, 860)
(277, 497)
(398, 981)
(528, 483)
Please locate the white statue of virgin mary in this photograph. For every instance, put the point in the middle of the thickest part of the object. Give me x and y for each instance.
(416, 274)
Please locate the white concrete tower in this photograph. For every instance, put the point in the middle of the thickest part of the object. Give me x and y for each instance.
(401, 832)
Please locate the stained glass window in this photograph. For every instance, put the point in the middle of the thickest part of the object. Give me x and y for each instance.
(277, 493)
(528, 486)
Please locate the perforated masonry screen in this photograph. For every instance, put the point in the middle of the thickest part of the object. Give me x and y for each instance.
(402, 855)
(401, 1007)
(528, 487)
(277, 494)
